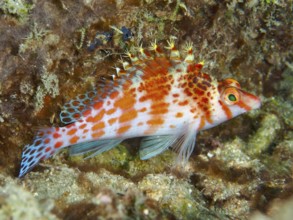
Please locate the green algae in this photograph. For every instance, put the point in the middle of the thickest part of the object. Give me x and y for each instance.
(34, 39)
(115, 159)
(18, 8)
(270, 126)
(50, 86)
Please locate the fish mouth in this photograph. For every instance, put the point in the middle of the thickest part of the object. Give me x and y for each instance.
(251, 101)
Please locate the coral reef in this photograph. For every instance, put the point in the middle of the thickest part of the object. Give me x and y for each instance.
(17, 203)
(241, 169)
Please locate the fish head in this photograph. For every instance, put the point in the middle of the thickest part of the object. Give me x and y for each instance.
(234, 100)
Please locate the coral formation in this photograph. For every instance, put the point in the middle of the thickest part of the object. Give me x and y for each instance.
(17, 203)
(239, 170)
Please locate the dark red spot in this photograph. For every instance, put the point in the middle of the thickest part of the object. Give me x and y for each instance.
(87, 101)
(40, 148)
(38, 142)
(58, 144)
(205, 100)
(76, 115)
(56, 135)
(75, 103)
(91, 94)
(87, 112)
(198, 66)
(201, 86)
(195, 80)
(71, 110)
(30, 159)
(198, 92)
(82, 96)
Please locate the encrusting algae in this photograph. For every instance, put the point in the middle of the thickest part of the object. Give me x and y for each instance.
(166, 99)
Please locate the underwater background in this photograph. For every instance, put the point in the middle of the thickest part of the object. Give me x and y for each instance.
(53, 50)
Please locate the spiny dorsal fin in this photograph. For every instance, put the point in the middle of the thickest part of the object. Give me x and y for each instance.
(147, 64)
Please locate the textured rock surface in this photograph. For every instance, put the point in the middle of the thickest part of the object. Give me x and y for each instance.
(239, 169)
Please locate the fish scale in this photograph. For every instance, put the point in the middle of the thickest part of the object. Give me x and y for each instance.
(163, 98)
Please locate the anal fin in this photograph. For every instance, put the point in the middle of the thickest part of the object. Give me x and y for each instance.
(154, 145)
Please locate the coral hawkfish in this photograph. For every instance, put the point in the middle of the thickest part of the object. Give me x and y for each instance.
(166, 99)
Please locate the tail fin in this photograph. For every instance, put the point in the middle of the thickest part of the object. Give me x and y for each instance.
(44, 146)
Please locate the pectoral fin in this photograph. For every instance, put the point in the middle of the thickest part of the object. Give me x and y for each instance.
(154, 145)
(184, 146)
(94, 147)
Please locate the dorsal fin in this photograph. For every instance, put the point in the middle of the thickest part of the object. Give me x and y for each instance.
(73, 109)
(148, 64)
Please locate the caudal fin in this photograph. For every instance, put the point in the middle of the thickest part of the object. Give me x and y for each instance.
(43, 147)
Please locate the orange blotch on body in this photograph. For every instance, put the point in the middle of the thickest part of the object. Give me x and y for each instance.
(98, 134)
(98, 105)
(111, 111)
(123, 129)
(99, 116)
(98, 126)
(125, 102)
(58, 144)
(114, 94)
(72, 131)
(56, 135)
(87, 112)
(159, 111)
(156, 121)
(128, 116)
(183, 103)
(73, 140)
(82, 126)
(112, 120)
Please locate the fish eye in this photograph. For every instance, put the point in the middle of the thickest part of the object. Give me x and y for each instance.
(231, 96)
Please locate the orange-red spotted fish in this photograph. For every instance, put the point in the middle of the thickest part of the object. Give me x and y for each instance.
(163, 98)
